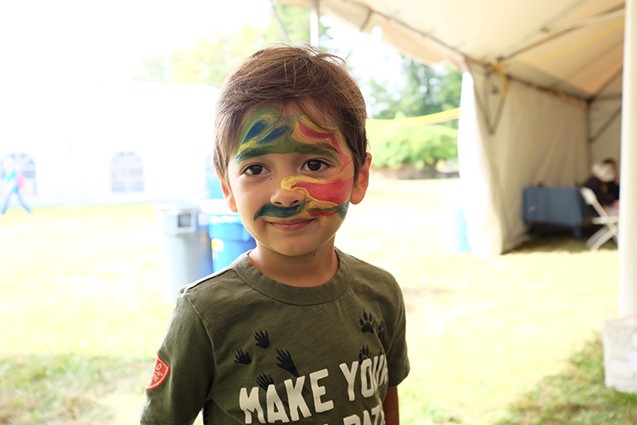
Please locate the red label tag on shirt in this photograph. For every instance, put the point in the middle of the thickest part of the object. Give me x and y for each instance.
(160, 372)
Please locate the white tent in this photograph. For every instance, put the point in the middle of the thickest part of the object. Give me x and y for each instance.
(541, 99)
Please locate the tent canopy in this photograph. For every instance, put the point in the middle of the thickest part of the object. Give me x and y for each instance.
(569, 46)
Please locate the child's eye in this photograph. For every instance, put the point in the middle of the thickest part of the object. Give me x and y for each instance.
(254, 170)
(315, 165)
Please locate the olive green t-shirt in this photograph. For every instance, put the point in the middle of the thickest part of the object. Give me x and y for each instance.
(249, 350)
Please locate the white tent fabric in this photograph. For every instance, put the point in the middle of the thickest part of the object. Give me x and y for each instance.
(526, 149)
(570, 46)
(541, 100)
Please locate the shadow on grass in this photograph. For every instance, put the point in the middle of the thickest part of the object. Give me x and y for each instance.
(64, 389)
(552, 243)
(575, 396)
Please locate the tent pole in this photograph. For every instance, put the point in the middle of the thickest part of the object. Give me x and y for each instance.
(628, 172)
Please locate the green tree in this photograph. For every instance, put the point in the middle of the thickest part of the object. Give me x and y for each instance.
(427, 90)
(208, 63)
(289, 23)
(410, 144)
(216, 56)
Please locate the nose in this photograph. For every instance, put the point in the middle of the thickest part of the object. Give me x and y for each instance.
(286, 195)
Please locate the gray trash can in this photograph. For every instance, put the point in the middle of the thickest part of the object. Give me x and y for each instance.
(187, 245)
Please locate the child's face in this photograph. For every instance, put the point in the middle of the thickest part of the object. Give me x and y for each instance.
(291, 181)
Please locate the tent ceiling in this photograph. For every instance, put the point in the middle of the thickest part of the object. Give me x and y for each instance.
(571, 46)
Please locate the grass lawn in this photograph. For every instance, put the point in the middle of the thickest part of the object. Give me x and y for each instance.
(510, 340)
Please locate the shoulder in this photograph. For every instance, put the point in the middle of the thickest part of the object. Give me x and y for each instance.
(592, 182)
(359, 266)
(218, 288)
(369, 278)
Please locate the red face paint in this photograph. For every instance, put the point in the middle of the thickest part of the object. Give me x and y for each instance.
(337, 191)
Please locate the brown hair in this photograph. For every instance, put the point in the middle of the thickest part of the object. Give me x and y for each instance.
(300, 75)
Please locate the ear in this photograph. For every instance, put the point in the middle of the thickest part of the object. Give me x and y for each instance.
(228, 196)
(362, 181)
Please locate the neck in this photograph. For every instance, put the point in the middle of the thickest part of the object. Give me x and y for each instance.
(312, 269)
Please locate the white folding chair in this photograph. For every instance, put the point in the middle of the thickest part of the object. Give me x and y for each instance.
(608, 222)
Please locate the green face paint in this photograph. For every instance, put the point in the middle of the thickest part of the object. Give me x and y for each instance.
(266, 132)
(285, 212)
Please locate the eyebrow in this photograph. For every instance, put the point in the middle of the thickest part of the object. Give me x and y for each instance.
(324, 146)
(322, 149)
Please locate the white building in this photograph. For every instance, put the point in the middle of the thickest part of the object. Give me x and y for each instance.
(107, 144)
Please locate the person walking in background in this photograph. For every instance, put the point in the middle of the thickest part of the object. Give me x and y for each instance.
(12, 185)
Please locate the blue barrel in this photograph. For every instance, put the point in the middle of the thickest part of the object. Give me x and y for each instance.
(214, 188)
(229, 239)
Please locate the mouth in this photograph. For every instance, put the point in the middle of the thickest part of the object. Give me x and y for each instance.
(291, 225)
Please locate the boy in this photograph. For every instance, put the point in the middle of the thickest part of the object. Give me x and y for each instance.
(294, 331)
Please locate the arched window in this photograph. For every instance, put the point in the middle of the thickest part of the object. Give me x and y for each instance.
(127, 173)
(25, 166)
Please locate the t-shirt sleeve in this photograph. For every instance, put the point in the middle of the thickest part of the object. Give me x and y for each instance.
(397, 358)
(182, 377)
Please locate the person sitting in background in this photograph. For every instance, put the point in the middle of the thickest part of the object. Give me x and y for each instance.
(613, 185)
(602, 174)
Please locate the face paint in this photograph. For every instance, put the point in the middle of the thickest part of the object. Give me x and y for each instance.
(267, 131)
(280, 212)
(285, 212)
